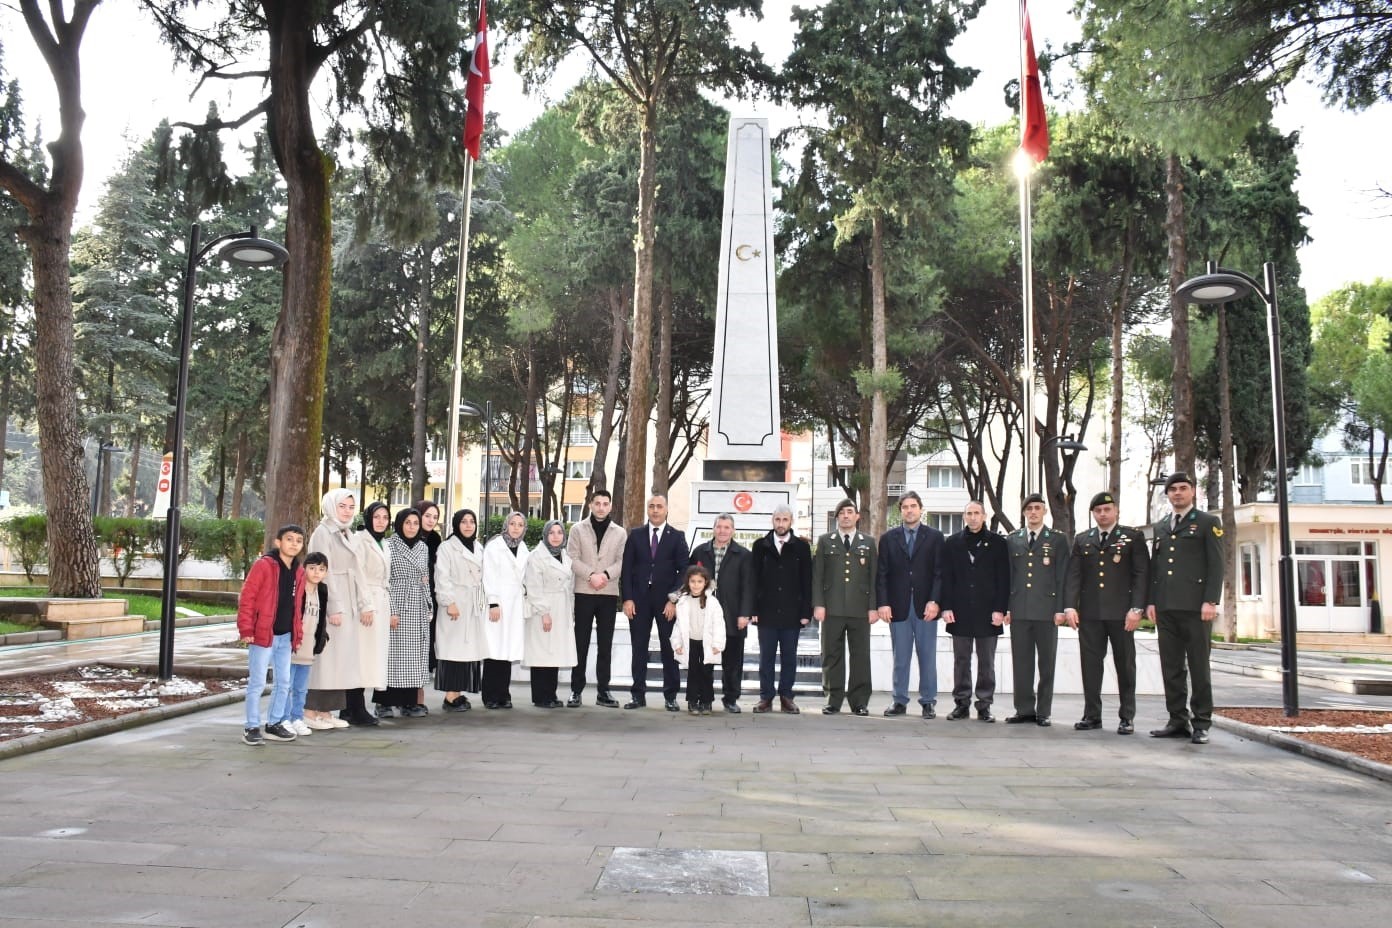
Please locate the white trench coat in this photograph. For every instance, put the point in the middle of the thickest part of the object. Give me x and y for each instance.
(459, 583)
(550, 590)
(502, 584)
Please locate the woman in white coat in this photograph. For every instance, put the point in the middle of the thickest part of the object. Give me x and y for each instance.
(336, 670)
(550, 593)
(461, 612)
(504, 561)
(374, 598)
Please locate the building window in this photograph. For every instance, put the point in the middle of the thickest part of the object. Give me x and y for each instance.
(437, 496)
(945, 522)
(838, 476)
(401, 496)
(1250, 580)
(580, 433)
(437, 451)
(1308, 475)
(574, 512)
(579, 470)
(941, 477)
(1361, 472)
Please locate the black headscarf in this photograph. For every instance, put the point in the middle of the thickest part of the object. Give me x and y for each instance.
(367, 519)
(457, 521)
(399, 525)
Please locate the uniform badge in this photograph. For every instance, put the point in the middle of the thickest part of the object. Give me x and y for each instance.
(1217, 531)
(1116, 558)
(862, 562)
(1046, 561)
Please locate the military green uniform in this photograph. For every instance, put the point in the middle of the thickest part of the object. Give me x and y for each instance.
(843, 582)
(1186, 571)
(1107, 578)
(1037, 572)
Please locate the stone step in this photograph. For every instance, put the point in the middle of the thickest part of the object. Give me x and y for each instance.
(98, 626)
(1345, 642)
(61, 610)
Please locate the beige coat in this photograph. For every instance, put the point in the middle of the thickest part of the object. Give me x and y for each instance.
(549, 591)
(705, 625)
(588, 558)
(373, 596)
(502, 584)
(339, 667)
(459, 583)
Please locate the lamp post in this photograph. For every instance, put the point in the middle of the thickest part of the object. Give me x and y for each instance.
(1224, 285)
(1065, 445)
(104, 449)
(485, 414)
(244, 249)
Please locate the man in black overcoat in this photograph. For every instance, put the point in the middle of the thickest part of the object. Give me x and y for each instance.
(732, 570)
(782, 607)
(975, 597)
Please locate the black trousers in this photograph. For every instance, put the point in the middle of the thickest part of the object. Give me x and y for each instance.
(985, 650)
(597, 613)
(732, 667)
(1184, 643)
(1093, 637)
(839, 634)
(700, 676)
(1033, 642)
(646, 612)
(544, 682)
(497, 676)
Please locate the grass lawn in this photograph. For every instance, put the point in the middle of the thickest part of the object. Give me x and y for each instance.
(10, 628)
(137, 604)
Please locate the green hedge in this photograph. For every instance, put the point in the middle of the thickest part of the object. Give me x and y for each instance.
(124, 542)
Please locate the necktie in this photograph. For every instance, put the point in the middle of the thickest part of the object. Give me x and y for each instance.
(909, 540)
(652, 552)
(1031, 539)
(846, 540)
(1174, 523)
(1104, 539)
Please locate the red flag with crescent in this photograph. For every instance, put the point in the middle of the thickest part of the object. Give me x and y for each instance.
(473, 89)
(1034, 137)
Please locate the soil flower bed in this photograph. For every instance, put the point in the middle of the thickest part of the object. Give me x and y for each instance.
(1366, 733)
(37, 703)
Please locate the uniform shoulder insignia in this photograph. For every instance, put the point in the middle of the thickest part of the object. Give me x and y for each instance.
(1217, 531)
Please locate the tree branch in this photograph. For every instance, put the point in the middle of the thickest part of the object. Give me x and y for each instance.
(217, 125)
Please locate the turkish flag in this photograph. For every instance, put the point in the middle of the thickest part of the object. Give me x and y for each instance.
(1034, 137)
(473, 89)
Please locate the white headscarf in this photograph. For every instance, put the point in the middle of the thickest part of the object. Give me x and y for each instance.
(328, 507)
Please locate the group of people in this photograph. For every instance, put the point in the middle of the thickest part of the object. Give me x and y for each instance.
(367, 613)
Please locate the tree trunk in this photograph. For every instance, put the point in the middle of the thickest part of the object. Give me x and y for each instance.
(523, 469)
(599, 478)
(222, 466)
(1380, 472)
(6, 384)
(422, 373)
(299, 343)
(1183, 387)
(1128, 263)
(1226, 452)
(879, 412)
(104, 462)
(662, 450)
(620, 484)
(133, 486)
(640, 357)
(239, 469)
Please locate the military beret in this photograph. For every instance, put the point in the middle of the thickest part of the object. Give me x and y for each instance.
(1178, 476)
(1033, 498)
(1102, 499)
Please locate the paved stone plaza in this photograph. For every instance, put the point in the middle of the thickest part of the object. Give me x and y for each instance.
(547, 818)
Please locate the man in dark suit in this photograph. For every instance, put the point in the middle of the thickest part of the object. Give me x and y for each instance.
(654, 558)
(908, 587)
(1186, 584)
(976, 594)
(782, 606)
(1104, 596)
(844, 603)
(731, 567)
(1038, 565)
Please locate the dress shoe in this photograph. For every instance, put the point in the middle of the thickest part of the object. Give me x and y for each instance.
(763, 706)
(460, 704)
(831, 710)
(550, 704)
(1087, 724)
(489, 704)
(1171, 731)
(635, 704)
(607, 701)
(505, 704)
(929, 712)
(705, 708)
(960, 712)
(860, 710)
(693, 708)
(574, 701)
(733, 708)
(1042, 721)
(896, 709)
(985, 715)
(786, 704)
(1020, 717)
(1200, 736)
(1124, 728)
(671, 705)
(363, 720)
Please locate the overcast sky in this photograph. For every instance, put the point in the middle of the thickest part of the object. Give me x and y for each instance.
(128, 87)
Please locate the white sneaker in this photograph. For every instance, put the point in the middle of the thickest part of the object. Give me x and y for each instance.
(301, 727)
(318, 724)
(336, 722)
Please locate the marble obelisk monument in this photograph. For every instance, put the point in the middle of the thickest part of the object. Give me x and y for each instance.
(745, 470)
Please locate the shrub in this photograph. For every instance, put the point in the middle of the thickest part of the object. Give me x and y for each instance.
(27, 537)
(532, 537)
(126, 541)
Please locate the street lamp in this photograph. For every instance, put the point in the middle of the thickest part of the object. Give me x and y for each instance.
(104, 449)
(486, 415)
(244, 249)
(1065, 445)
(1224, 285)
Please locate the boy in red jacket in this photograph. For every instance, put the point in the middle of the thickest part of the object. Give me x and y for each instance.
(268, 621)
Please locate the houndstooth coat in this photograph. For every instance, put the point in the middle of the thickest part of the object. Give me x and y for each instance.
(408, 662)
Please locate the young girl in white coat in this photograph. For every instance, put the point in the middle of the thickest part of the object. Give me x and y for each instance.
(698, 637)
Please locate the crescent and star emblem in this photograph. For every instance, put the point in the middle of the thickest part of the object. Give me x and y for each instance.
(747, 253)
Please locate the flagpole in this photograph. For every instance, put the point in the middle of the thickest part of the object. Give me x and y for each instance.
(461, 285)
(1023, 169)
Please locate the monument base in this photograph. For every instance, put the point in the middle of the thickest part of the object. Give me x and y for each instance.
(751, 502)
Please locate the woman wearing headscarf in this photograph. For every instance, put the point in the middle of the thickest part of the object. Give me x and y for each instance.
(374, 598)
(337, 670)
(430, 534)
(504, 562)
(550, 595)
(408, 658)
(461, 613)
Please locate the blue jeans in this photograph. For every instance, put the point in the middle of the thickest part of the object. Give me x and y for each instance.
(299, 689)
(909, 637)
(277, 659)
(771, 641)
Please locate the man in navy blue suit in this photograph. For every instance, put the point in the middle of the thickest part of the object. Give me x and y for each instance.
(654, 558)
(909, 584)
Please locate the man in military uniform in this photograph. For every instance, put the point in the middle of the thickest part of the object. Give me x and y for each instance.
(1104, 596)
(1038, 565)
(1186, 582)
(844, 604)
